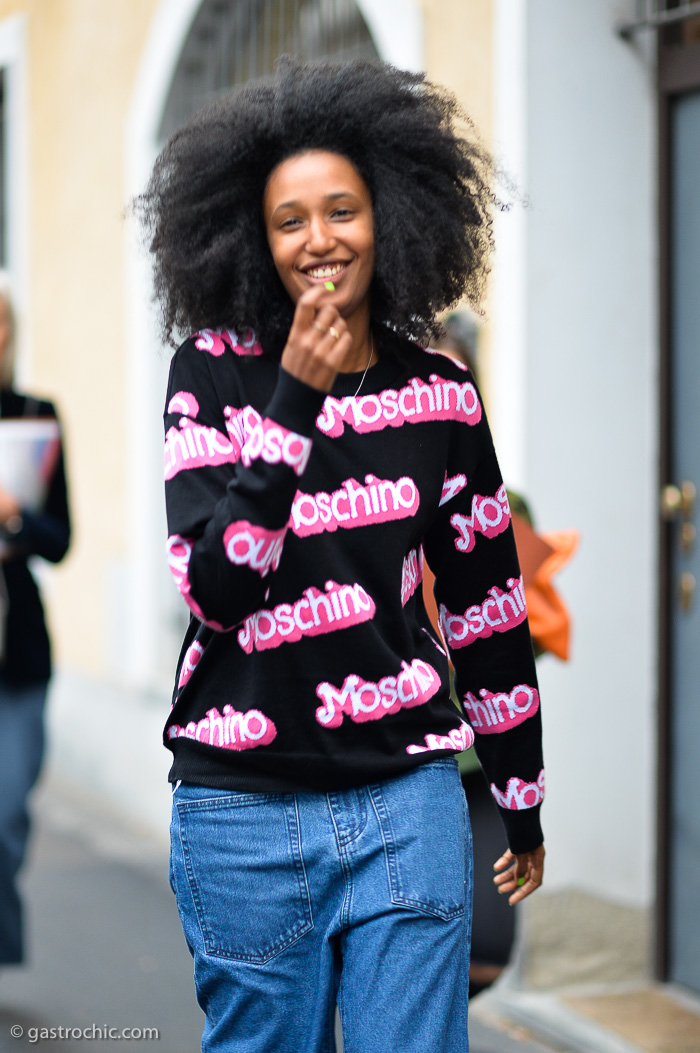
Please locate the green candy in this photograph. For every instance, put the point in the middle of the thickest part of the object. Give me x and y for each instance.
(330, 286)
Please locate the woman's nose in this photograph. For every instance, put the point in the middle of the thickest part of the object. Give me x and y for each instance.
(320, 237)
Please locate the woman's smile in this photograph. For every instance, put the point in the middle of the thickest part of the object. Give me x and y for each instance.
(326, 272)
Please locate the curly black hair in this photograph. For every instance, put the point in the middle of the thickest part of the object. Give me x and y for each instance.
(202, 212)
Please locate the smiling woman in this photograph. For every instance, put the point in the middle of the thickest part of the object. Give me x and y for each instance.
(306, 231)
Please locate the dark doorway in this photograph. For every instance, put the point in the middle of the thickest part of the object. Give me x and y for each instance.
(678, 943)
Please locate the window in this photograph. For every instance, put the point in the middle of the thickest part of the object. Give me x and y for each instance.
(233, 41)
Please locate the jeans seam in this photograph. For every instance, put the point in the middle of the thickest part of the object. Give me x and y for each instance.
(191, 884)
(298, 857)
(347, 872)
(380, 809)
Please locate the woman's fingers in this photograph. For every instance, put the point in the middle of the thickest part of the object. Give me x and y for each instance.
(307, 307)
(318, 341)
(519, 874)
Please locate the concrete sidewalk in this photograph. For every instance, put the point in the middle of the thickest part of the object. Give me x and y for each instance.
(622, 1018)
(106, 945)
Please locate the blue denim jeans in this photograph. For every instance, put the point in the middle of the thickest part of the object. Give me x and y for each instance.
(21, 752)
(291, 902)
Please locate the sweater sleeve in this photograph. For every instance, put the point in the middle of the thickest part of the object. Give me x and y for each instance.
(231, 476)
(481, 602)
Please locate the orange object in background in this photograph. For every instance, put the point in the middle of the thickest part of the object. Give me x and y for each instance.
(541, 557)
(549, 620)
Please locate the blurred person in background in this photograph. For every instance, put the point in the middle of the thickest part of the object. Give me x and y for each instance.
(307, 230)
(25, 655)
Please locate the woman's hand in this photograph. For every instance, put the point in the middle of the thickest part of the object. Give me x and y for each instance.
(519, 874)
(318, 341)
(8, 506)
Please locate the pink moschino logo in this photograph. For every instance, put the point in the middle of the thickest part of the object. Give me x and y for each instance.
(189, 662)
(184, 402)
(451, 487)
(364, 700)
(520, 795)
(354, 505)
(416, 402)
(490, 516)
(498, 613)
(229, 730)
(179, 555)
(501, 711)
(215, 342)
(241, 423)
(411, 574)
(275, 445)
(194, 446)
(316, 612)
(254, 546)
(459, 739)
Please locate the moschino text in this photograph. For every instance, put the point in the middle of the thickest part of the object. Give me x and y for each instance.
(520, 795)
(503, 710)
(499, 612)
(490, 516)
(316, 612)
(354, 505)
(415, 402)
(229, 730)
(363, 700)
(459, 739)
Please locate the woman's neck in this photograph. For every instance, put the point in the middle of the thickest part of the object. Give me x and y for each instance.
(363, 352)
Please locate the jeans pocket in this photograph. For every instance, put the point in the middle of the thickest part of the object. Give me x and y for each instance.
(245, 872)
(427, 839)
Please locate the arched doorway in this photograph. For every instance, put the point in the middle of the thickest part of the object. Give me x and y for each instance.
(232, 43)
(195, 49)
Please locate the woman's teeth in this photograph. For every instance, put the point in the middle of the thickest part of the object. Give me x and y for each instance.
(325, 273)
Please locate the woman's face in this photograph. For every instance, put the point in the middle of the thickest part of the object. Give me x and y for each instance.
(318, 216)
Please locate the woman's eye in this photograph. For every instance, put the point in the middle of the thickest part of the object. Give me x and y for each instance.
(290, 223)
(342, 213)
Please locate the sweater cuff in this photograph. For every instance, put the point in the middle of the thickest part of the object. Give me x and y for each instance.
(523, 830)
(294, 404)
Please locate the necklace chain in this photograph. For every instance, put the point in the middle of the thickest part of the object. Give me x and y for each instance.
(371, 354)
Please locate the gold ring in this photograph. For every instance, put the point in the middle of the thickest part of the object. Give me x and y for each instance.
(334, 332)
(321, 328)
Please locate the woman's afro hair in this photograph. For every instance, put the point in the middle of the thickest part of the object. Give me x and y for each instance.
(202, 215)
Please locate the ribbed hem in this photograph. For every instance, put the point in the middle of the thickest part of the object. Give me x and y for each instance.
(193, 764)
(523, 830)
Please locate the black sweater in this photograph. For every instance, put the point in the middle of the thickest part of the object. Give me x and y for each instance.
(297, 531)
(27, 650)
